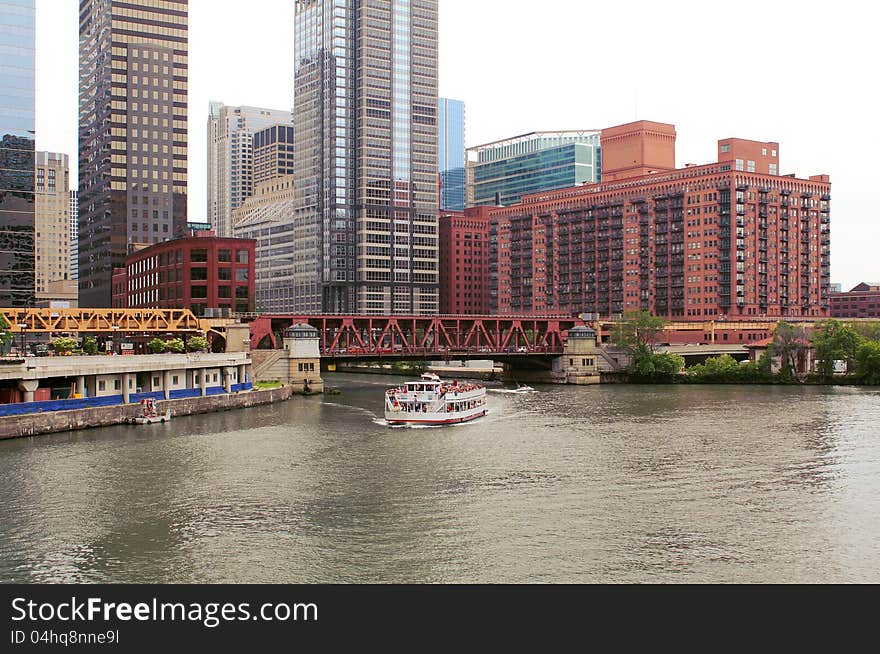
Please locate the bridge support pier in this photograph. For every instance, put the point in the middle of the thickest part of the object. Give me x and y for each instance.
(29, 386)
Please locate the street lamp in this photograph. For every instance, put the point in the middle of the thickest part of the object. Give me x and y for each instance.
(23, 327)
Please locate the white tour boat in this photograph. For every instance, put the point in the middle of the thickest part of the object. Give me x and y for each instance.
(431, 401)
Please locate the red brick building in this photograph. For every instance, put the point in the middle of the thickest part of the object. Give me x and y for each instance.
(206, 274)
(465, 264)
(724, 240)
(861, 302)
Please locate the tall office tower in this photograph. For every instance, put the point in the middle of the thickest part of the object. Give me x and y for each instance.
(501, 173)
(365, 132)
(52, 224)
(273, 153)
(17, 203)
(132, 133)
(74, 236)
(450, 117)
(231, 158)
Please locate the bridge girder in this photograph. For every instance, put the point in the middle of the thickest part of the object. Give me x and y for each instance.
(101, 320)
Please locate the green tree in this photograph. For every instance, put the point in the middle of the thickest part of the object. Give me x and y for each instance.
(727, 370)
(156, 346)
(174, 345)
(834, 341)
(197, 344)
(5, 335)
(869, 331)
(64, 345)
(715, 369)
(868, 363)
(637, 335)
(789, 342)
(667, 365)
(90, 345)
(638, 332)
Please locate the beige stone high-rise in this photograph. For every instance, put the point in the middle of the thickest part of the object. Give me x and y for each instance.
(231, 158)
(133, 72)
(365, 131)
(52, 276)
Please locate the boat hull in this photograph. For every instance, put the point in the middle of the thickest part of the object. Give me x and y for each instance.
(151, 420)
(395, 419)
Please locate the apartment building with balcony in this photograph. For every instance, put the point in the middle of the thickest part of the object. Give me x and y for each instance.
(724, 240)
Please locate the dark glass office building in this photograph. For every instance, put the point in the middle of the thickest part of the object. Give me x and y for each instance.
(273, 152)
(17, 165)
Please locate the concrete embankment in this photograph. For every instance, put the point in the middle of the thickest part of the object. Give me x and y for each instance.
(57, 421)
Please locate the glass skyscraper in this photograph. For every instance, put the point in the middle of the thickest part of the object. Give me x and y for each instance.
(501, 173)
(133, 72)
(450, 116)
(365, 129)
(17, 156)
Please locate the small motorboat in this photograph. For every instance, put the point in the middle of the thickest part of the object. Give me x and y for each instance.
(149, 414)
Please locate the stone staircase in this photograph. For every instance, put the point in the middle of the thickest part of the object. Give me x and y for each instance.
(268, 365)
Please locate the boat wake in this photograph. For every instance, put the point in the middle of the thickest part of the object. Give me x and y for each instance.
(358, 409)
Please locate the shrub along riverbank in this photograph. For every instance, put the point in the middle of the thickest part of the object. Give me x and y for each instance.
(845, 353)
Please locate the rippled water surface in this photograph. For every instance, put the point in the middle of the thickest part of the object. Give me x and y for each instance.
(569, 484)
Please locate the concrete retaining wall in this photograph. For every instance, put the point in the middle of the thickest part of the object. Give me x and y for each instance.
(55, 421)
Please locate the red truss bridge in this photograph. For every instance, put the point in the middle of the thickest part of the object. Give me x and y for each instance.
(410, 336)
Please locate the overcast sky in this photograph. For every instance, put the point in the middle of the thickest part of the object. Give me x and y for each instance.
(802, 73)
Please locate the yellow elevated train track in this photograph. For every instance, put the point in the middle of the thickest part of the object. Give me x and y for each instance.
(104, 320)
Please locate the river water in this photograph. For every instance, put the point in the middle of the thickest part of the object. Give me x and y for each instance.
(568, 484)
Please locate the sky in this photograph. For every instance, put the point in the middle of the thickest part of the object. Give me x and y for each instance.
(801, 73)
